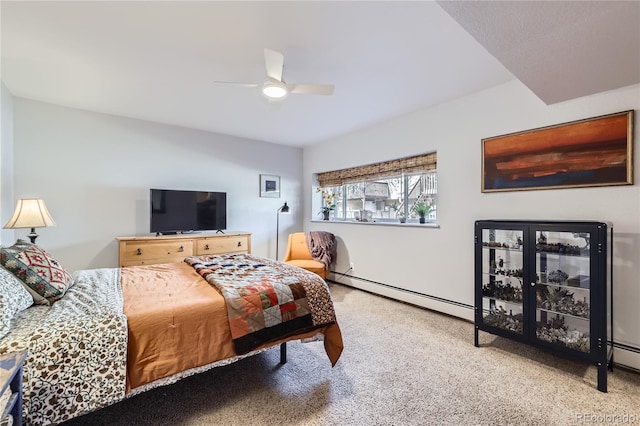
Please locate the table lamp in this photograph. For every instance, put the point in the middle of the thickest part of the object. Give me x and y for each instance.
(30, 213)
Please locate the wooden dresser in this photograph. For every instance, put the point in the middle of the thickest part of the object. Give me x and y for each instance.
(148, 250)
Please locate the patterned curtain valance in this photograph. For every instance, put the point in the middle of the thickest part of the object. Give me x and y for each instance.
(415, 164)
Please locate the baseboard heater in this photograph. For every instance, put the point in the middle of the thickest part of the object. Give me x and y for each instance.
(404, 290)
(451, 302)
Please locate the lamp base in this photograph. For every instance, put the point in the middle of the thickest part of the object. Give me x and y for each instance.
(32, 235)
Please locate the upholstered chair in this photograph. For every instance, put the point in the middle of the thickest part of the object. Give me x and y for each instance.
(298, 254)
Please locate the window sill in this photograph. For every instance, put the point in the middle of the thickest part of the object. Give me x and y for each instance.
(397, 224)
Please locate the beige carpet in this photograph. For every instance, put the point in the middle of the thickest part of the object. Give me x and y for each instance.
(402, 365)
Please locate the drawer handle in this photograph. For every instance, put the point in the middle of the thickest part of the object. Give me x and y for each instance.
(206, 246)
(181, 248)
(139, 252)
(239, 243)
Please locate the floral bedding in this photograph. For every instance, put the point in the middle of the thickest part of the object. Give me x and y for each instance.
(77, 349)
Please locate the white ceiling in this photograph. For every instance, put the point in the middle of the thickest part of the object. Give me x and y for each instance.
(156, 60)
(559, 49)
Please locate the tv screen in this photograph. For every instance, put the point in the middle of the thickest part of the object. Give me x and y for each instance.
(186, 211)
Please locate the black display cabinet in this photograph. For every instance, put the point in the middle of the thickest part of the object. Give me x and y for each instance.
(547, 284)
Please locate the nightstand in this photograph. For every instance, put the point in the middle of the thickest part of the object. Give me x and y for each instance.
(11, 376)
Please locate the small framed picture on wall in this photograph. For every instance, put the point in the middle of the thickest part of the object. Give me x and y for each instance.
(270, 186)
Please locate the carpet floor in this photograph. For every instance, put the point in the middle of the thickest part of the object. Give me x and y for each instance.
(402, 365)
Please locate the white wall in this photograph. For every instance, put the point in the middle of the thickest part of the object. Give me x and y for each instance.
(94, 171)
(439, 262)
(6, 163)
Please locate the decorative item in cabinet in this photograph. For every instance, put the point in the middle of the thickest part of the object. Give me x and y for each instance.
(547, 284)
(502, 302)
(563, 313)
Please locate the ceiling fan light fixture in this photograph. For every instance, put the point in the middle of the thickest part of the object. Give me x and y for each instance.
(273, 89)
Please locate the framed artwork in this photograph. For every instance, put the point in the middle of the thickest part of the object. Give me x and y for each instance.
(591, 152)
(270, 186)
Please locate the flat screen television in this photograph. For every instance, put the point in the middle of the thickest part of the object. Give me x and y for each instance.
(175, 211)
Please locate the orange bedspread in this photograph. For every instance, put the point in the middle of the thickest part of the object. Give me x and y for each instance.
(178, 321)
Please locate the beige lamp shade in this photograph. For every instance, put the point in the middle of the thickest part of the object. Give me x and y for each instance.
(30, 213)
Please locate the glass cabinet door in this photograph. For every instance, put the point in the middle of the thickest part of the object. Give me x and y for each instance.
(563, 293)
(502, 266)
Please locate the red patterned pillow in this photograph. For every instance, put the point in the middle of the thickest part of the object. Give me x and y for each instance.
(43, 276)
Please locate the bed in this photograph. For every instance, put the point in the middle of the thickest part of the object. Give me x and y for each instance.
(116, 332)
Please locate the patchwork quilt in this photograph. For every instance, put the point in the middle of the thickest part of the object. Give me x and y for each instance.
(266, 300)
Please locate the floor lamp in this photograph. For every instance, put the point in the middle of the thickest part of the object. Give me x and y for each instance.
(284, 209)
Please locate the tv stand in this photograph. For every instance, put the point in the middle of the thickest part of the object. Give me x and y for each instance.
(152, 249)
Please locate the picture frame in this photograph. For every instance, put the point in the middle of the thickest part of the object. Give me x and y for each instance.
(595, 151)
(270, 186)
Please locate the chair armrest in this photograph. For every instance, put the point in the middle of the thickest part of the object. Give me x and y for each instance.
(287, 255)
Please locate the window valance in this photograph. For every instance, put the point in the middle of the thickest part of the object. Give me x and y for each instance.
(414, 164)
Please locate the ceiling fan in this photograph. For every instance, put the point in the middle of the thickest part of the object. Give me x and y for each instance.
(274, 87)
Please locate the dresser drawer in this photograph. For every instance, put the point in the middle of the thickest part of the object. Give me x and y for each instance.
(144, 251)
(221, 245)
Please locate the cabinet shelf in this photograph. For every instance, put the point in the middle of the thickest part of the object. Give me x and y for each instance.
(515, 277)
(552, 291)
(513, 302)
(564, 314)
(505, 321)
(512, 249)
(568, 287)
(571, 340)
(572, 255)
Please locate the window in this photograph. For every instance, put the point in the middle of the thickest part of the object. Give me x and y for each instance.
(384, 192)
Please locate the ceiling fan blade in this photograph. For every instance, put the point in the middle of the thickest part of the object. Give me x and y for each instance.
(311, 89)
(233, 83)
(275, 63)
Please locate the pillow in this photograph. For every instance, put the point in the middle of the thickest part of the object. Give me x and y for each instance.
(14, 298)
(42, 275)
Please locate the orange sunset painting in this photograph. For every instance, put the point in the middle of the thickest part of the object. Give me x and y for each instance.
(591, 152)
